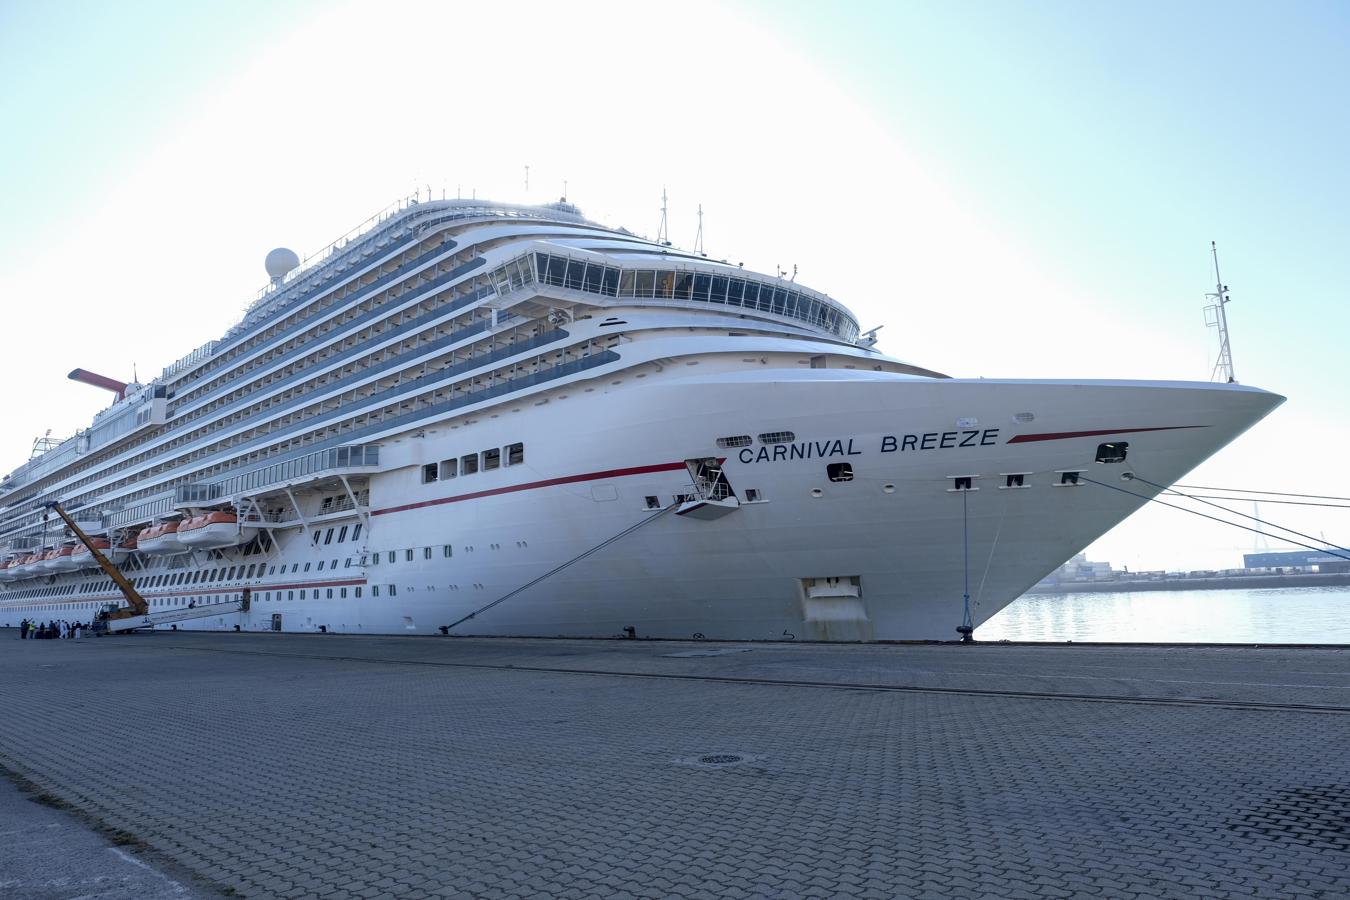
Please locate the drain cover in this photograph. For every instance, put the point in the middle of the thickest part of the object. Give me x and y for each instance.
(717, 760)
(1316, 817)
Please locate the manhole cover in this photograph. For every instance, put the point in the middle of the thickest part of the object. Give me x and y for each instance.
(1317, 817)
(717, 760)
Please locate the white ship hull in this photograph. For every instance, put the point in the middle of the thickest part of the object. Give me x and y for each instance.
(896, 530)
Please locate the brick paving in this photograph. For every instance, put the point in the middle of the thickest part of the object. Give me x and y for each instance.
(345, 767)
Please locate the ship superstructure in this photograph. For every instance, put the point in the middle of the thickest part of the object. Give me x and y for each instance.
(466, 398)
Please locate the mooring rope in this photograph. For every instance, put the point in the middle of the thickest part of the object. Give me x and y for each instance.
(554, 571)
(1175, 492)
(1196, 512)
(967, 628)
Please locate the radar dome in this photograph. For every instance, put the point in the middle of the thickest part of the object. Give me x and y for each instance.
(279, 262)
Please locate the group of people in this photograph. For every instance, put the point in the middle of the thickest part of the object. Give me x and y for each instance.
(52, 629)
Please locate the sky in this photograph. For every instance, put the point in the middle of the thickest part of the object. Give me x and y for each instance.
(1009, 189)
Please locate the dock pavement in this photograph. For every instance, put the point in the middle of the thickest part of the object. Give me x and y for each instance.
(334, 766)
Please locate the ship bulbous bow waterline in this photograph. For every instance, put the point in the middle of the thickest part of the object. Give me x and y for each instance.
(485, 419)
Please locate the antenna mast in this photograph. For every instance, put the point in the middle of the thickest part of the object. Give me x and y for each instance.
(698, 238)
(1217, 317)
(663, 230)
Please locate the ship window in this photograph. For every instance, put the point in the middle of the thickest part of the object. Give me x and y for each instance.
(575, 273)
(375, 559)
(594, 275)
(347, 563)
(492, 459)
(468, 464)
(627, 280)
(653, 502)
(735, 291)
(356, 532)
(429, 473)
(646, 283)
(391, 555)
(374, 590)
(1016, 480)
(393, 590)
(557, 270)
(736, 440)
(307, 567)
(316, 537)
(358, 593)
(611, 285)
(1114, 452)
(449, 468)
(684, 285)
(665, 284)
(328, 537)
(701, 286)
(840, 471)
(343, 593)
(408, 554)
(1069, 477)
(290, 595)
(320, 565)
(330, 593)
(777, 437)
(447, 551)
(426, 553)
(342, 535)
(515, 454)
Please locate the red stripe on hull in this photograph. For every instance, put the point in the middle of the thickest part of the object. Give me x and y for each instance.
(531, 485)
(1065, 435)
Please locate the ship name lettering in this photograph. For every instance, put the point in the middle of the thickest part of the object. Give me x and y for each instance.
(801, 450)
(939, 440)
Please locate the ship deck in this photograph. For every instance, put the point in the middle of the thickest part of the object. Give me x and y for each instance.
(342, 766)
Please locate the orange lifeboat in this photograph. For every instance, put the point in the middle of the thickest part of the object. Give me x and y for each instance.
(64, 561)
(215, 529)
(160, 539)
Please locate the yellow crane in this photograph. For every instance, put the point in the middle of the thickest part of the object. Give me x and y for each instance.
(136, 605)
(137, 614)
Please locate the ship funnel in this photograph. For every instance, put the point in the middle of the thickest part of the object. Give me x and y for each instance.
(100, 381)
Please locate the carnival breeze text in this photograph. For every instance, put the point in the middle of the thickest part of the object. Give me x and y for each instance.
(890, 443)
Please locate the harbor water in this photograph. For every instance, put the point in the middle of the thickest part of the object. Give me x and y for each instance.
(1299, 615)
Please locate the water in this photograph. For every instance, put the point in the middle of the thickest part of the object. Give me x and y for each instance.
(1300, 615)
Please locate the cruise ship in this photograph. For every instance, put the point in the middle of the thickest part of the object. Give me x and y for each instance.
(474, 418)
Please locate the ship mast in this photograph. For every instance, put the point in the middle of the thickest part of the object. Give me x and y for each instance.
(1216, 316)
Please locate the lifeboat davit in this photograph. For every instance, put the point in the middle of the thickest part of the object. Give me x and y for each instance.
(63, 561)
(215, 529)
(160, 540)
